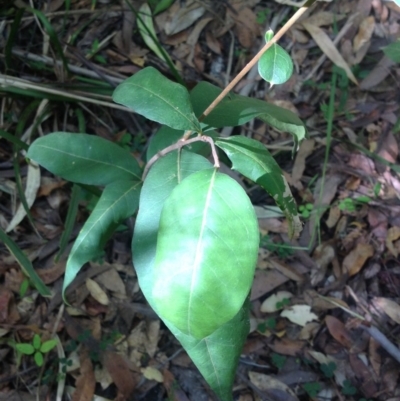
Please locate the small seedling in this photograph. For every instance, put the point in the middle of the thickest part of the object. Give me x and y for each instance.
(328, 369)
(283, 303)
(278, 360)
(348, 388)
(305, 210)
(23, 288)
(36, 348)
(350, 205)
(312, 389)
(269, 324)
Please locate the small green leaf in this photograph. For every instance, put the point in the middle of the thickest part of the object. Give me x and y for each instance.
(23, 287)
(84, 159)
(157, 98)
(48, 346)
(25, 348)
(278, 360)
(252, 159)
(118, 201)
(348, 388)
(39, 358)
(393, 51)
(275, 65)
(207, 248)
(236, 110)
(36, 342)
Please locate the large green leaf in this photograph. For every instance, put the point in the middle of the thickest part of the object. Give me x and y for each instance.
(162, 178)
(84, 159)
(216, 356)
(118, 201)
(207, 248)
(237, 110)
(157, 98)
(253, 160)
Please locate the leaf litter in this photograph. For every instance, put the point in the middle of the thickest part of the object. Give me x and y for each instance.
(325, 308)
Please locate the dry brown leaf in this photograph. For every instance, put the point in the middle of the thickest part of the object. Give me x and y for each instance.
(86, 382)
(322, 256)
(324, 18)
(31, 189)
(393, 234)
(246, 28)
(174, 391)
(306, 148)
(273, 387)
(97, 292)
(119, 370)
(152, 336)
(326, 45)
(151, 373)
(285, 346)
(180, 18)
(364, 33)
(378, 73)
(286, 270)
(266, 281)
(338, 331)
(333, 217)
(111, 280)
(391, 308)
(356, 259)
(299, 314)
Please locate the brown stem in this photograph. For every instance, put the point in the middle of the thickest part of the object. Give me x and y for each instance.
(179, 145)
(254, 60)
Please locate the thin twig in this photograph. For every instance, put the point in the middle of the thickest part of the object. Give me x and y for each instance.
(254, 60)
(179, 145)
(383, 341)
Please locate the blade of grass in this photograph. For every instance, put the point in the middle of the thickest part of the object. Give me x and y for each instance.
(52, 34)
(12, 36)
(170, 64)
(330, 115)
(70, 219)
(25, 264)
(11, 138)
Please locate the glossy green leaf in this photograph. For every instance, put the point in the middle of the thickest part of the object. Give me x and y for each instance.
(207, 248)
(237, 110)
(216, 356)
(48, 345)
(275, 65)
(166, 136)
(36, 342)
(38, 357)
(24, 348)
(162, 178)
(252, 159)
(157, 98)
(25, 264)
(84, 159)
(118, 201)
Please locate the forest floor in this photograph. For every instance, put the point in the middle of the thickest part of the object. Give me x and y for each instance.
(325, 308)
